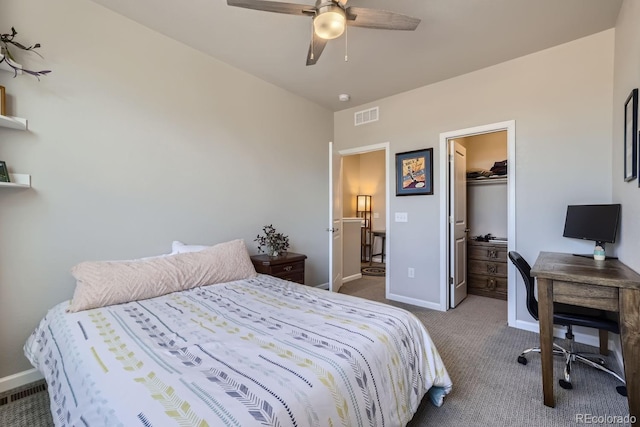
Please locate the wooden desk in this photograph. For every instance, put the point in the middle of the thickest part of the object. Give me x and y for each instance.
(607, 285)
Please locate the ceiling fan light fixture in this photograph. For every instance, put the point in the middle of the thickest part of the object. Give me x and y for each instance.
(330, 22)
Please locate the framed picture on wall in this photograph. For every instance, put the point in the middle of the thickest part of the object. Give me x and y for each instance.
(3, 101)
(631, 136)
(4, 172)
(414, 172)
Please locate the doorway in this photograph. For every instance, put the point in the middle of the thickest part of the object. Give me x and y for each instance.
(365, 212)
(448, 181)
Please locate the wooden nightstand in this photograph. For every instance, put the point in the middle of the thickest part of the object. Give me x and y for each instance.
(287, 267)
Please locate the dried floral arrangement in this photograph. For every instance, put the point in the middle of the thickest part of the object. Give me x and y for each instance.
(271, 242)
(7, 43)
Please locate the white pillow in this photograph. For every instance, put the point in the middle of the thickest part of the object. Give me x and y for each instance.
(149, 257)
(102, 283)
(178, 247)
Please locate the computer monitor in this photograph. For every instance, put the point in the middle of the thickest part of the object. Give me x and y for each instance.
(592, 222)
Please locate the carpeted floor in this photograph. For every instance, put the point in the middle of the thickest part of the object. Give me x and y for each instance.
(479, 350)
(29, 411)
(375, 269)
(490, 388)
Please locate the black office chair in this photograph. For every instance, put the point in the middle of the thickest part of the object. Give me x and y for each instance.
(569, 316)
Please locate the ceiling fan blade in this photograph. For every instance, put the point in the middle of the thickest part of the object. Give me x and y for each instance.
(380, 19)
(318, 45)
(274, 6)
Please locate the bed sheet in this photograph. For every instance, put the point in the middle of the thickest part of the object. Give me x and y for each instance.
(260, 351)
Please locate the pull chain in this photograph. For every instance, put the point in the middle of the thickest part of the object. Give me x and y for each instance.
(312, 38)
(346, 43)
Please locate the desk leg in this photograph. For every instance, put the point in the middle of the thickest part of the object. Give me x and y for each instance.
(630, 337)
(545, 314)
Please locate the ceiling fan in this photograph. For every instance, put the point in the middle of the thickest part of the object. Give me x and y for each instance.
(330, 17)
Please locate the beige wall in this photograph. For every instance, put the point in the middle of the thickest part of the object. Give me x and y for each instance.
(136, 140)
(485, 149)
(364, 174)
(561, 101)
(626, 78)
(372, 182)
(350, 184)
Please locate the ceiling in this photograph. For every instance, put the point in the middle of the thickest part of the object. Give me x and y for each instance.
(455, 37)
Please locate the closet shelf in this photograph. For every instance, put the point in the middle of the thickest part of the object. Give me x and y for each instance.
(487, 181)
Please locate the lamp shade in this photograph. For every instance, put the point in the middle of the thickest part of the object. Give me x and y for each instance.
(330, 22)
(363, 203)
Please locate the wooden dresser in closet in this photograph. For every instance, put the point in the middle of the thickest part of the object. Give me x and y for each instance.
(487, 269)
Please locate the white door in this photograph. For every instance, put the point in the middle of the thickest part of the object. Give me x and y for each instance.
(335, 220)
(457, 223)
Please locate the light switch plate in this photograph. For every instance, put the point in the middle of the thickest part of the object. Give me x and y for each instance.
(402, 217)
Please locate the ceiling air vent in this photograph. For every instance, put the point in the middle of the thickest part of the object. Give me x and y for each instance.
(366, 116)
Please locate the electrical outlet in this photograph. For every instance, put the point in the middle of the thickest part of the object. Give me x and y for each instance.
(412, 272)
(376, 215)
(402, 217)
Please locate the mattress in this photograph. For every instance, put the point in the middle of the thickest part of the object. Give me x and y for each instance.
(254, 352)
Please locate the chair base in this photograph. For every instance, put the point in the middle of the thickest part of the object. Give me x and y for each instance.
(570, 356)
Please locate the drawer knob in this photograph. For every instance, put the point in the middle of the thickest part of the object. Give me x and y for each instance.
(491, 283)
(288, 268)
(492, 268)
(492, 253)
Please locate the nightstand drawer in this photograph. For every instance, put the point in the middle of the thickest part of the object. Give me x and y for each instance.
(490, 286)
(287, 268)
(297, 277)
(487, 267)
(488, 253)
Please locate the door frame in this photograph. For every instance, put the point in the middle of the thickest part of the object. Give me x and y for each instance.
(367, 149)
(510, 127)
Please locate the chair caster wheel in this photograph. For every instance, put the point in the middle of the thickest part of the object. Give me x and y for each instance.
(522, 360)
(565, 384)
(622, 390)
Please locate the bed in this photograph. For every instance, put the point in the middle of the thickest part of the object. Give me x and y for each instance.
(250, 352)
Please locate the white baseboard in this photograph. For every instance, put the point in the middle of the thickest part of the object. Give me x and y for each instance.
(350, 278)
(414, 301)
(19, 379)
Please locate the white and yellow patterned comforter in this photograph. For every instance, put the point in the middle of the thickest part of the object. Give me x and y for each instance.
(256, 352)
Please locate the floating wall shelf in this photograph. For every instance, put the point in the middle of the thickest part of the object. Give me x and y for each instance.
(18, 180)
(13, 122)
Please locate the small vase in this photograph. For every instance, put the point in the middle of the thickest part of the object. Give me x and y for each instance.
(598, 253)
